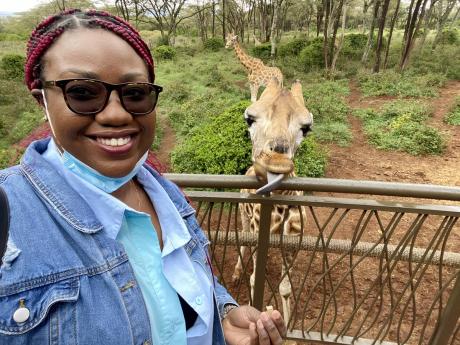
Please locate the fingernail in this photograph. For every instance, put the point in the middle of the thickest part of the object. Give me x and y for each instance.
(264, 316)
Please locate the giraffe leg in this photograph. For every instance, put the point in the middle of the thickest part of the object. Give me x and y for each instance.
(285, 288)
(239, 265)
(253, 276)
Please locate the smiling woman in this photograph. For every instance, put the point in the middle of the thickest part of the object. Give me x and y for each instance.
(106, 250)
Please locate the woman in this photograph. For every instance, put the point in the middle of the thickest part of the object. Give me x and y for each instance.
(102, 249)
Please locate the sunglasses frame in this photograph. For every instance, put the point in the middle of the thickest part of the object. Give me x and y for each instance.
(108, 87)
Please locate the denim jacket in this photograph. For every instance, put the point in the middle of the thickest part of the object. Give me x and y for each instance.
(63, 281)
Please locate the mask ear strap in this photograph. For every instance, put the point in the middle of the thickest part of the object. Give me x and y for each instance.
(48, 117)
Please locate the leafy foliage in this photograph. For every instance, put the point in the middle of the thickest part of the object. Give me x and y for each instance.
(164, 52)
(449, 37)
(262, 52)
(401, 126)
(13, 66)
(219, 146)
(311, 159)
(213, 44)
(292, 48)
(325, 99)
(453, 117)
(312, 55)
(391, 83)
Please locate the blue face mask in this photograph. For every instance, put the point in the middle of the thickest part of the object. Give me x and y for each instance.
(105, 183)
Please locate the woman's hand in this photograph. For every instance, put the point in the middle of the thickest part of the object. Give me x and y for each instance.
(246, 325)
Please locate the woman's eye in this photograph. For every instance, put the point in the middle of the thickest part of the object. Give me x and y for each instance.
(305, 129)
(79, 92)
(134, 93)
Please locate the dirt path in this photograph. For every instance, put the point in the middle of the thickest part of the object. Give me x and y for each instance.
(361, 161)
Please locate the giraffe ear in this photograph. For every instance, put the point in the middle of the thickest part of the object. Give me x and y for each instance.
(296, 90)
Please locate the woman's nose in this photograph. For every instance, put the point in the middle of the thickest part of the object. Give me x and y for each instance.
(114, 114)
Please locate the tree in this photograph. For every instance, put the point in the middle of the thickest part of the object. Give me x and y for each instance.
(414, 18)
(378, 51)
(443, 14)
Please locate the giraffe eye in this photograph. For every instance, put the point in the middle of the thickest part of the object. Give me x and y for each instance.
(305, 129)
(249, 120)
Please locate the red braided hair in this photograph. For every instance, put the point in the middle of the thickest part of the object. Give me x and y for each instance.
(50, 29)
(46, 33)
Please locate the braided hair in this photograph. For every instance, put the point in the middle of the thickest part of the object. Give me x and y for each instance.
(50, 29)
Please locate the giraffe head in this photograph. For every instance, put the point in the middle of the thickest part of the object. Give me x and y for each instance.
(278, 122)
(231, 40)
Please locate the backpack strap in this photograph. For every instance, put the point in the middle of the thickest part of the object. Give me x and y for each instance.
(4, 222)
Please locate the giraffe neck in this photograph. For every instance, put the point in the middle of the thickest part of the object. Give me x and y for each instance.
(244, 58)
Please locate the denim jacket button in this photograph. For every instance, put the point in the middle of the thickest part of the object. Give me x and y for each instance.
(198, 300)
(21, 315)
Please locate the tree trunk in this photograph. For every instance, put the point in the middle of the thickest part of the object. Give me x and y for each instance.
(342, 35)
(274, 28)
(224, 33)
(213, 29)
(412, 26)
(383, 16)
(426, 25)
(370, 37)
(326, 6)
(392, 25)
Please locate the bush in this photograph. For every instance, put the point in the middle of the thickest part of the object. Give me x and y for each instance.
(292, 48)
(409, 84)
(312, 56)
(310, 159)
(449, 37)
(262, 52)
(401, 126)
(164, 52)
(213, 44)
(453, 117)
(176, 92)
(13, 66)
(218, 146)
(354, 44)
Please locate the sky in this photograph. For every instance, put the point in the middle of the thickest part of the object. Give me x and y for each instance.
(17, 5)
(20, 5)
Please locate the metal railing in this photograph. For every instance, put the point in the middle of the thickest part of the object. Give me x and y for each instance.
(381, 266)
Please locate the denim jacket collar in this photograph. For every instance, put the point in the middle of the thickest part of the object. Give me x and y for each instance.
(71, 206)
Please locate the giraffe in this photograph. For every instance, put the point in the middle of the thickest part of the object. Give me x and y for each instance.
(259, 74)
(277, 124)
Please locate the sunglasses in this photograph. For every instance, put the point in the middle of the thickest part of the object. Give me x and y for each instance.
(90, 96)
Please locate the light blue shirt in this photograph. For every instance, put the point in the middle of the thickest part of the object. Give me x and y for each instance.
(186, 277)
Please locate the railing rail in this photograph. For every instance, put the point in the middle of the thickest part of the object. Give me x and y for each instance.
(364, 271)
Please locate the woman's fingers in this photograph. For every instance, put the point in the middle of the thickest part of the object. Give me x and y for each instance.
(279, 322)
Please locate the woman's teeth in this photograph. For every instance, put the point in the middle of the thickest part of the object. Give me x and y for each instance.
(114, 141)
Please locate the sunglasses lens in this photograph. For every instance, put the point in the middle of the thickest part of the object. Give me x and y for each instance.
(85, 96)
(139, 98)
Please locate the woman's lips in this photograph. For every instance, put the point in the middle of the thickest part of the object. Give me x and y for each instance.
(115, 145)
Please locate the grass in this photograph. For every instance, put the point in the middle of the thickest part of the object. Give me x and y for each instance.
(453, 117)
(401, 126)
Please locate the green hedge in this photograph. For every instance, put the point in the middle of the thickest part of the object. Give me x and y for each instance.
(222, 146)
(164, 52)
(13, 66)
(219, 146)
(213, 44)
(262, 52)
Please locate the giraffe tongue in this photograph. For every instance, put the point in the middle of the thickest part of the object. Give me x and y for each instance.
(274, 181)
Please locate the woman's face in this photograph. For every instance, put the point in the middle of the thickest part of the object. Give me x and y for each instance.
(98, 54)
